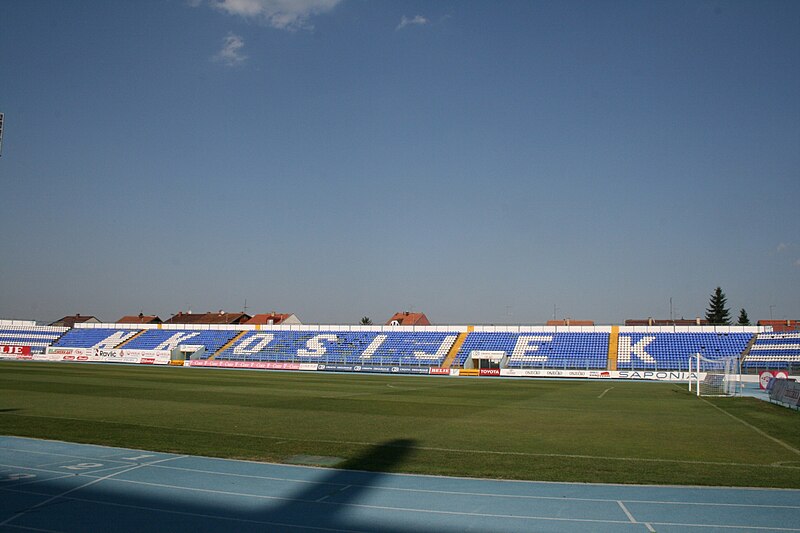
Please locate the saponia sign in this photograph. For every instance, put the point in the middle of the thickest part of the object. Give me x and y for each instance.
(653, 375)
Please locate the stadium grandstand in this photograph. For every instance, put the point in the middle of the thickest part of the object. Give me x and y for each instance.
(395, 347)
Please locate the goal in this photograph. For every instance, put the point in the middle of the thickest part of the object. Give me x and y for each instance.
(720, 376)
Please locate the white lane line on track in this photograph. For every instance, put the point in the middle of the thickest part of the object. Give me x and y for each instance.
(334, 493)
(70, 491)
(627, 513)
(632, 519)
(13, 488)
(556, 519)
(402, 489)
(109, 459)
(355, 505)
(469, 493)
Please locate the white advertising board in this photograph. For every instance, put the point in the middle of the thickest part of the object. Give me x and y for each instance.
(97, 355)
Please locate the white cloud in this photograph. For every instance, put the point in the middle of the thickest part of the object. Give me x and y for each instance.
(231, 52)
(782, 247)
(288, 15)
(419, 20)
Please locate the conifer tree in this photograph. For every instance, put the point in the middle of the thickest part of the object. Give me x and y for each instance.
(744, 320)
(717, 314)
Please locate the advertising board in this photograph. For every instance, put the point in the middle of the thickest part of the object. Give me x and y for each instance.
(785, 391)
(15, 352)
(261, 365)
(97, 355)
(653, 375)
(554, 373)
(765, 375)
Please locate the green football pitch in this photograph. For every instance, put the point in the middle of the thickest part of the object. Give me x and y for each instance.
(586, 431)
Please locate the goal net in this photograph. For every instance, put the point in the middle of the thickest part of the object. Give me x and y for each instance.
(718, 376)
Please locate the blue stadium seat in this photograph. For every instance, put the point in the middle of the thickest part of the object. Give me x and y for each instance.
(343, 347)
(541, 349)
(671, 351)
(774, 351)
(106, 338)
(38, 338)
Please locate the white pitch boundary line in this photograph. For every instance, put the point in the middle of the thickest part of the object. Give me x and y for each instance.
(604, 392)
(482, 451)
(751, 426)
(65, 493)
(456, 450)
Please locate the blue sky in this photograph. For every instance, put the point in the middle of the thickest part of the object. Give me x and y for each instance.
(483, 162)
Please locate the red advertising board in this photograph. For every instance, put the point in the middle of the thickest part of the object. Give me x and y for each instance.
(440, 371)
(264, 365)
(14, 350)
(490, 372)
(766, 375)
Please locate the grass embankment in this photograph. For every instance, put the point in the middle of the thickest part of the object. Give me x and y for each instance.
(613, 432)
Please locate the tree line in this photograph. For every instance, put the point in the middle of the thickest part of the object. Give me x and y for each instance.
(718, 313)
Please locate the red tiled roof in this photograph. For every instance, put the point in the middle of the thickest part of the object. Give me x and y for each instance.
(268, 318)
(70, 320)
(667, 322)
(208, 318)
(781, 325)
(409, 319)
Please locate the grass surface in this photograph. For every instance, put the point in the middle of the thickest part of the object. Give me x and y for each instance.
(592, 431)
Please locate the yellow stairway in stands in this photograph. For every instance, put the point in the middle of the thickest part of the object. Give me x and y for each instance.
(613, 345)
(123, 343)
(229, 343)
(451, 355)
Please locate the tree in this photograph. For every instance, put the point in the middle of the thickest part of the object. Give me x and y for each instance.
(366, 321)
(717, 314)
(744, 320)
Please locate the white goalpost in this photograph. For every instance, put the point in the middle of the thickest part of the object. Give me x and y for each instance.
(719, 376)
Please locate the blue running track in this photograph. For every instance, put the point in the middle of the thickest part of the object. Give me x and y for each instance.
(57, 486)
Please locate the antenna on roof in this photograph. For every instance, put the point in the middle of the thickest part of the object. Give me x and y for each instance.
(245, 306)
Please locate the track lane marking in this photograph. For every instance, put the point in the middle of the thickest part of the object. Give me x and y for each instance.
(70, 491)
(357, 505)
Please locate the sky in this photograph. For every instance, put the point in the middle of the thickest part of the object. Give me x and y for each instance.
(483, 162)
